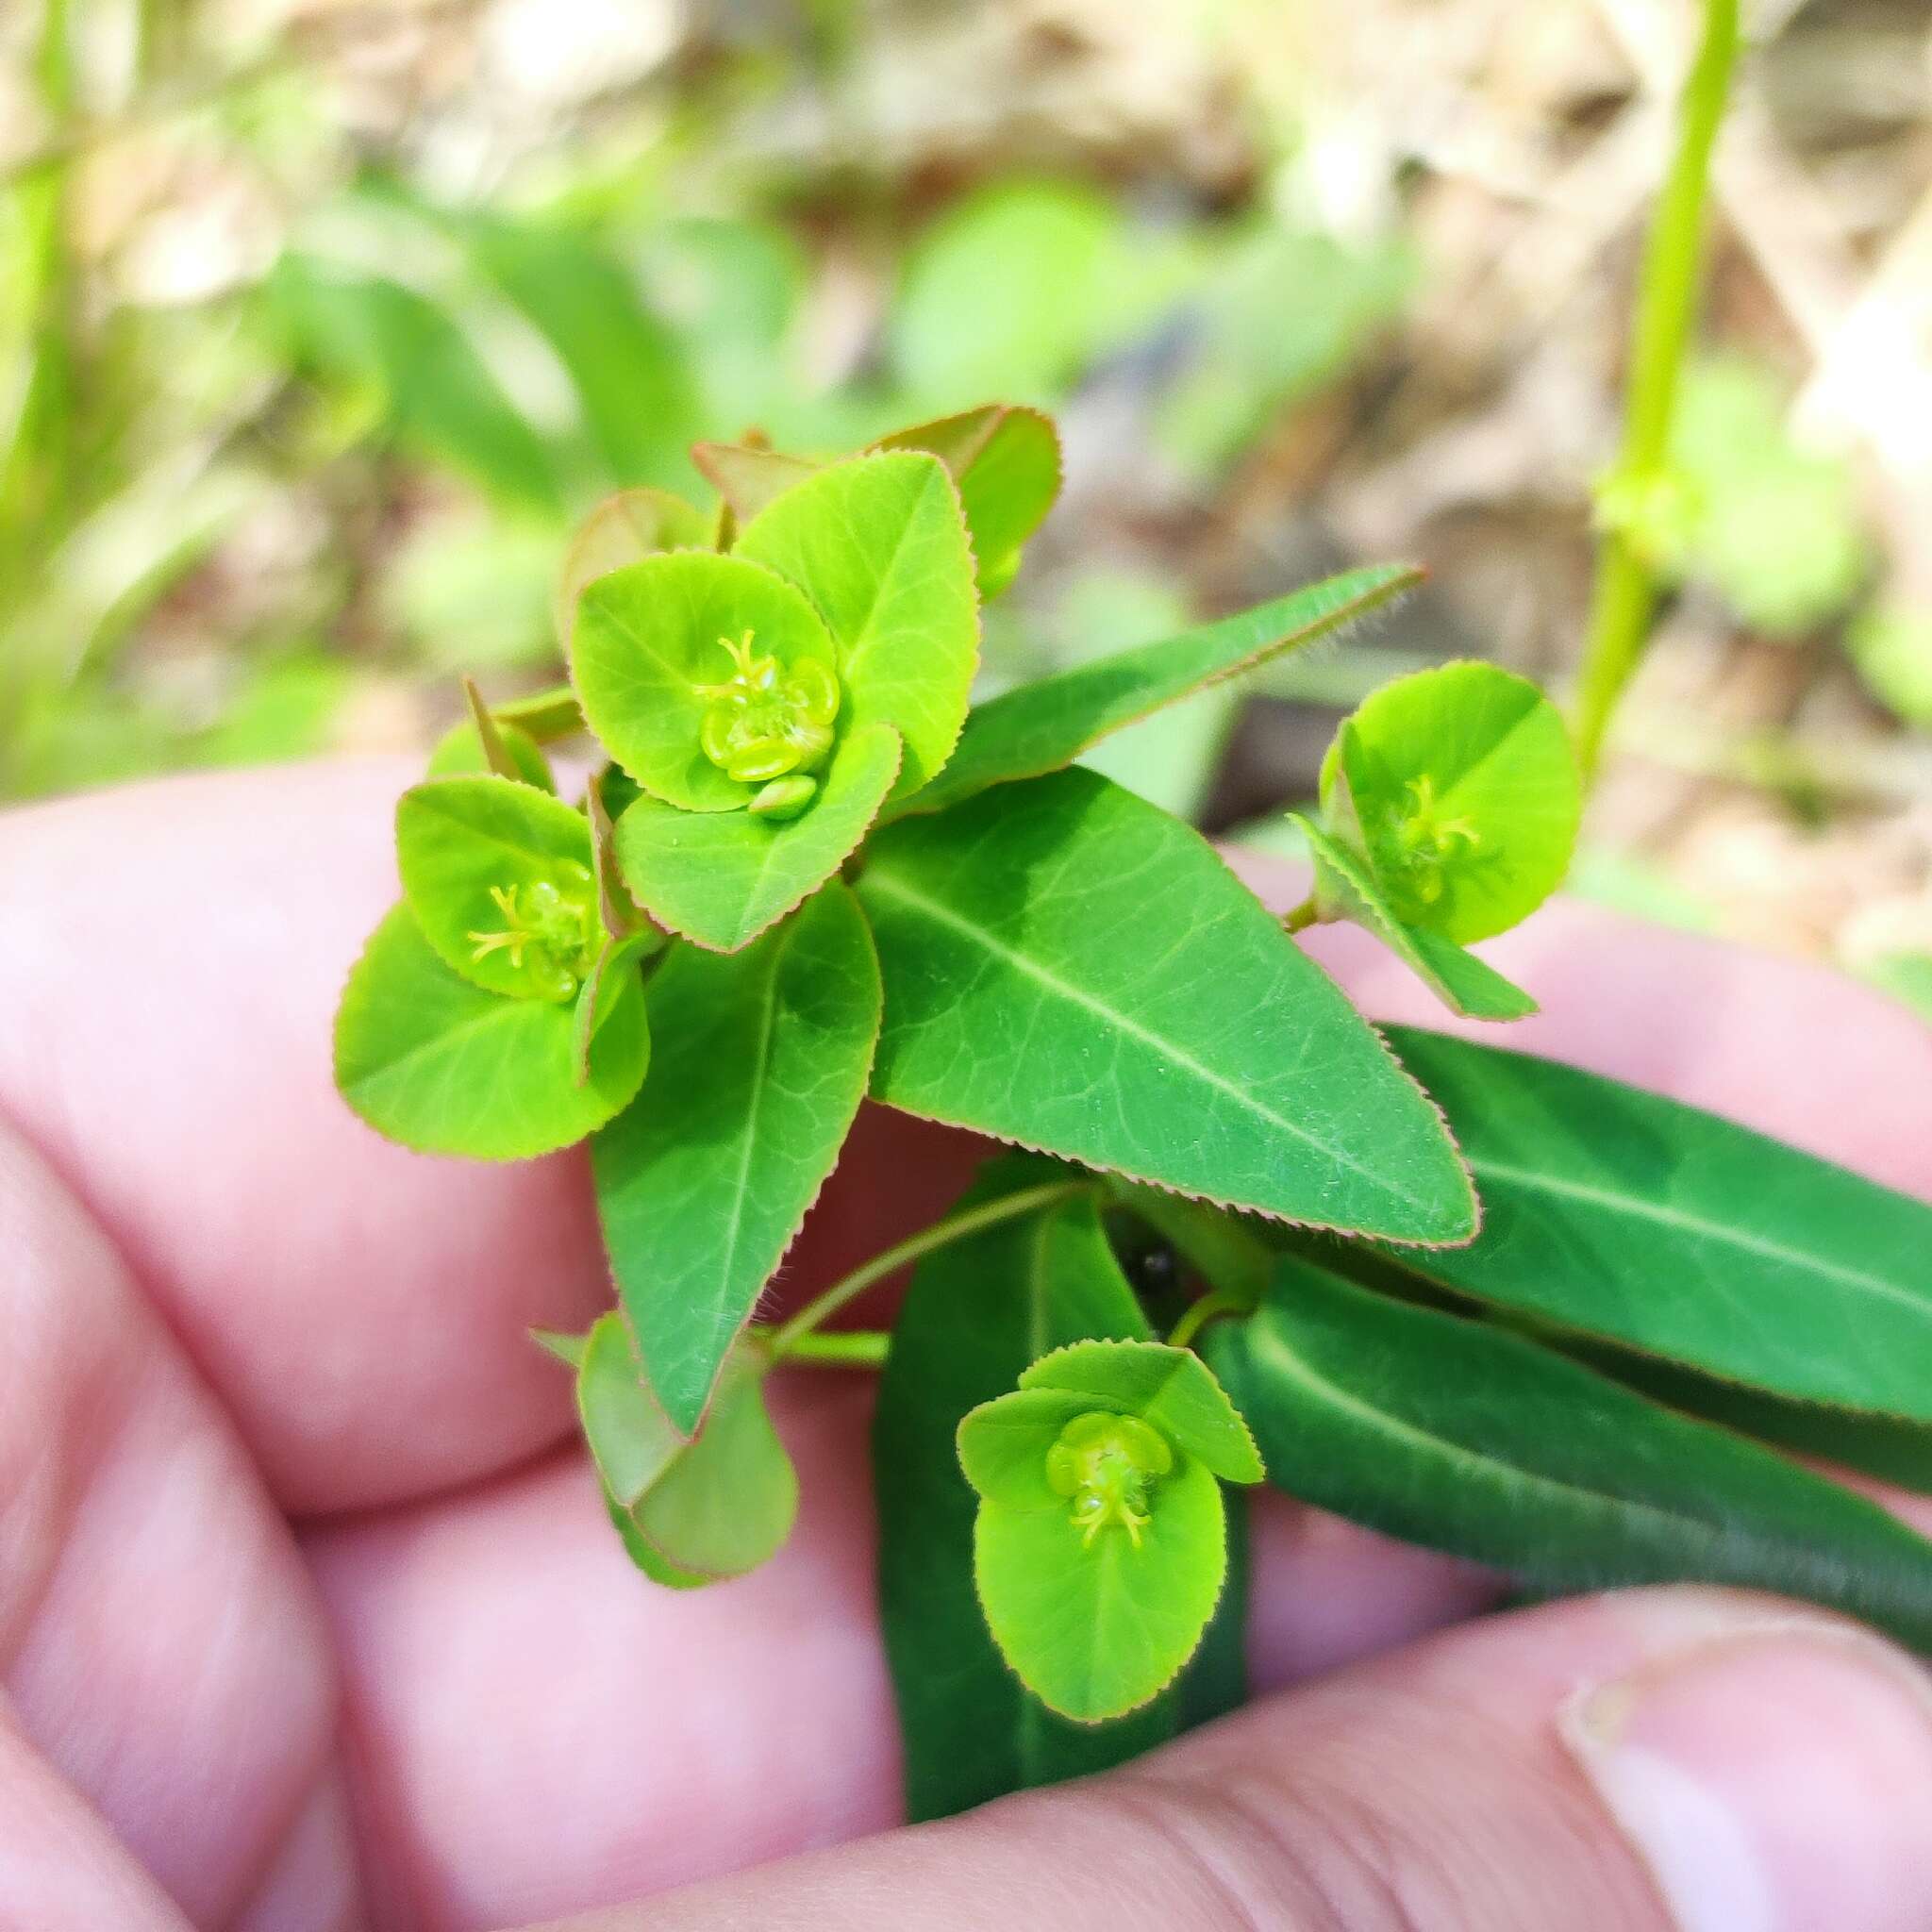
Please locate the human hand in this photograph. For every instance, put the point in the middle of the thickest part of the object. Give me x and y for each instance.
(311, 1623)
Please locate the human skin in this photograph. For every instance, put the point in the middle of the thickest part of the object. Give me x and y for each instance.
(311, 1621)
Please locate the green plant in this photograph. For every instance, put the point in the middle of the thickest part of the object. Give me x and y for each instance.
(807, 868)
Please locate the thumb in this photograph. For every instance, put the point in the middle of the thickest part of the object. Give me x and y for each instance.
(1674, 1760)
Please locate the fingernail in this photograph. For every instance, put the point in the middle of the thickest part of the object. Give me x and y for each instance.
(1778, 1779)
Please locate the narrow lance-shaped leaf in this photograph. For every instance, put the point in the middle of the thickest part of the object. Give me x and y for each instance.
(1041, 727)
(1068, 967)
(977, 1313)
(703, 1181)
(1462, 982)
(1622, 1214)
(1454, 1434)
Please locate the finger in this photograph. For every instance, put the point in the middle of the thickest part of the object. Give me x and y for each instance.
(665, 1735)
(1784, 1045)
(1669, 1761)
(160, 1644)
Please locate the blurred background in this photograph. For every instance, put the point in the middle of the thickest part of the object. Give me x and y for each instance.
(321, 322)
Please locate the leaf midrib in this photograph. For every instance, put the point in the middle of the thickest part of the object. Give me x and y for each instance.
(879, 879)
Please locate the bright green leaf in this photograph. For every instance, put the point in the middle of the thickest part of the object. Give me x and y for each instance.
(1454, 1434)
(878, 544)
(653, 638)
(1041, 727)
(433, 1061)
(1006, 464)
(720, 878)
(706, 1509)
(1097, 1628)
(622, 530)
(702, 1182)
(499, 877)
(1462, 982)
(1004, 1445)
(1068, 968)
(1170, 1388)
(1464, 789)
(977, 1313)
(1622, 1214)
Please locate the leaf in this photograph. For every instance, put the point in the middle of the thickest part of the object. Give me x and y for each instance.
(620, 957)
(748, 477)
(638, 396)
(487, 856)
(703, 1180)
(720, 878)
(1097, 1630)
(1462, 982)
(651, 636)
(1886, 1446)
(1464, 789)
(1908, 977)
(1622, 1214)
(622, 529)
(1451, 1433)
(1170, 1388)
(878, 544)
(1041, 727)
(1006, 464)
(544, 715)
(1016, 289)
(459, 753)
(438, 393)
(714, 1508)
(1068, 968)
(977, 1313)
(433, 1061)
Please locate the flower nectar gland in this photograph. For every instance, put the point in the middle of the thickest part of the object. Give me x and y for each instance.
(1107, 1463)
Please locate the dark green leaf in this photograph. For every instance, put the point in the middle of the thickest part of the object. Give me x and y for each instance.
(1068, 968)
(703, 1181)
(1041, 727)
(977, 1313)
(1451, 1433)
(1622, 1214)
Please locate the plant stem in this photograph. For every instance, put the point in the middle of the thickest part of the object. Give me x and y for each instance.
(844, 1348)
(1625, 598)
(1210, 1307)
(1299, 918)
(954, 1227)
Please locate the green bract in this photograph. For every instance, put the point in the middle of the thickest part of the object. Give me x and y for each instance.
(1100, 1544)
(431, 1059)
(1460, 788)
(672, 652)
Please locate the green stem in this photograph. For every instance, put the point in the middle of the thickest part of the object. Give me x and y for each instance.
(941, 1234)
(843, 1348)
(1210, 1307)
(1299, 918)
(1624, 597)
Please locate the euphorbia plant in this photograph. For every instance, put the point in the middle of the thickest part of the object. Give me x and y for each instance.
(1243, 1239)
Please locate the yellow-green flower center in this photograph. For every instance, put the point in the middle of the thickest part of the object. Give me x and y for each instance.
(550, 929)
(1105, 1464)
(766, 722)
(1421, 842)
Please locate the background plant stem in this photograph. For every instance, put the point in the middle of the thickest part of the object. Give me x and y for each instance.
(1624, 597)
